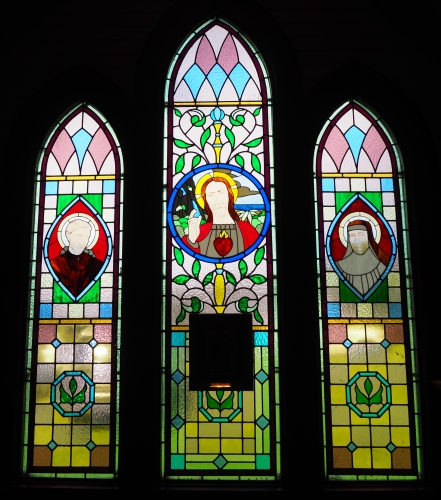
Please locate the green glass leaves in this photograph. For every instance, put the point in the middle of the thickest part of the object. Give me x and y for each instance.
(239, 160)
(182, 144)
(257, 278)
(243, 268)
(208, 278)
(196, 268)
(178, 113)
(230, 278)
(196, 160)
(226, 404)
(258, 256)
(204, 137)
(198, 121)
(237, 120)
(254, 143)
(180, 162)
(230, 136)
(71, 399)
(179, 256)
(366, 398)
(181, 279)
(256, 112)
(257, 316)
(255, 162)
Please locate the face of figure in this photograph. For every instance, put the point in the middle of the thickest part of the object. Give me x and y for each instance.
(217, 198)
(78, 238)
(358, 239)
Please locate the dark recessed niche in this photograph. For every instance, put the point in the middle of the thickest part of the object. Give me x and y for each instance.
(221, 352)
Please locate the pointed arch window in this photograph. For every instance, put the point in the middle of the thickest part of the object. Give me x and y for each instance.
(71, 412)
(220, 339)
(370, 403)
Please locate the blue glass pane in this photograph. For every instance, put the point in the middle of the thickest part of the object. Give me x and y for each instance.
(387, 185)
(178, 339)
(239, 77)
(334, 310)
(46, 311)
(328, 185)
(395, 310)
(51, 187)
(108, 187)
(260, 338)
(105, 310)
(217, 77)
(81, 142)
(355, 138)
(194, 78)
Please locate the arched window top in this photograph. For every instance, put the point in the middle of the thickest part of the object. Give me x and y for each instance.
(217, 65)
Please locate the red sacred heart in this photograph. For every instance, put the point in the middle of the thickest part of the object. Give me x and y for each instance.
(223, 244)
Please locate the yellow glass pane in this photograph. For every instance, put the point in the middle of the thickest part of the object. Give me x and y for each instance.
(192, 445)
(393, 279)
(65, 333)
(102, 353)
(61, 456)
(338, 394)
(43, 434)
(46, 353)
(381, 310)
(80, 434)
(400, 436)
(380, 436)
(340, 415)
(101, 434)
(399, 415)
(85, 419)
(209, 445)
(394, 295)
(361, 435)
(231, 430)
(381, 458)
(248, 406)
(332, 279)
(248, 446)
(399, 394)
(80, 456)
(339, 374)
(231, 445)
(102, 393)
(397, 374)
(374, 333)
(43, 393)
(341, 436)
(353, 369)
(248, 430)
(84, 367)
(43, 414)
(395, 353)
(356, 420)
(209, 430)
(364, 310)
(59, 419)
(357, 333)
(383, 420)
(338, 354)
(376, 353)
(191, 430)
(357, 353)
(381, 369)
(60, 368)
(83, 333)
(62, 434)
(361, 458)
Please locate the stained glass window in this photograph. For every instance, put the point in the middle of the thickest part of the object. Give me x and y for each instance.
(370, 403)
(71, 404)
(220, 411)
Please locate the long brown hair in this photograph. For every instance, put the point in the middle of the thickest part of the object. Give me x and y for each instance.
(231, 210)
(374, 245)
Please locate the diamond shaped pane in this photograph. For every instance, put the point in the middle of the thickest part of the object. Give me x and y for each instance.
(194, 79)
(56, 343)
(262, 422)
(352, 446)
(385, 343)
(239, 78)
(81, 142)
(220, 462)
(391, 447)
(90, 445)
(347, 343)
(52, 445)
(262, 376)
(355, 138)
(217, 77)
(178, 422)
(178, 377)
(93, 343)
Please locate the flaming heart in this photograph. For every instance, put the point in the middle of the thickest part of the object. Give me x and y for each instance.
(223, 244)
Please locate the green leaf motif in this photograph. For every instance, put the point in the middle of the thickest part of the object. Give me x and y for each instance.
(254, 143)
(72, 386)
(360, 397)
(258, 256)
(228, 403)
(243, 268)
(180, 162)
(368, 386)
(196, 304)
(204, 137)
(181, 316)
(64, 396)
(179, 256)
(255, 162)
(230, 137)
(243, 304)
(208, 278)
(196, 268)
(239, 120)
(231, 278)
(81, 396)
(196, 160)
(377, 398)
(178, 113)
(196, 121)
(219, 395)
(182, 144)
(212, 403)
(239, 160)
(257, 278)
(256, 112)
(257, 316)
(181, 279)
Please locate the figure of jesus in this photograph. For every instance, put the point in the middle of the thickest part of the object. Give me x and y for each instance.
(223, 234)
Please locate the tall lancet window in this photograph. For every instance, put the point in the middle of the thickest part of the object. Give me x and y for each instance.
(71, 409)
(370, 404)
(220, 361)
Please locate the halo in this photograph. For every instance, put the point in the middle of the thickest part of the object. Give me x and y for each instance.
(205, 177)
(343, 226)
(94, 229)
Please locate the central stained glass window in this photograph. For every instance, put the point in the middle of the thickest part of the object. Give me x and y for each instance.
(220, 392)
